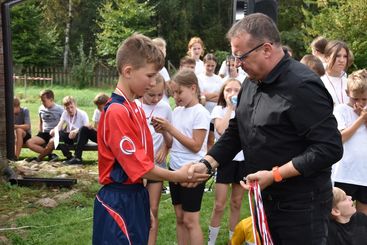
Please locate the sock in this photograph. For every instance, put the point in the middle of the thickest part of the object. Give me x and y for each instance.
(213, 234)
(230, 233)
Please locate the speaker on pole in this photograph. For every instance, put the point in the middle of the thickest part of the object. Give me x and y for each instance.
(242, 8)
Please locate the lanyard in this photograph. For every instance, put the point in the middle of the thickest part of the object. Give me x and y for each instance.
(259, 221)
(139, 122)
(72, 121)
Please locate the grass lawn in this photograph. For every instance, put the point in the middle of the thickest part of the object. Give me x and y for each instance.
(71, 221)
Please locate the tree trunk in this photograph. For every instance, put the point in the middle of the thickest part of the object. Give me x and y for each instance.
(67, 35)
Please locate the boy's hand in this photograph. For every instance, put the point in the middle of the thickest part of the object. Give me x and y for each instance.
(190, 180)
(195, 171)
(73, 134)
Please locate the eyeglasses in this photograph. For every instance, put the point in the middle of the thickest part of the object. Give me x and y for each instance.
(242, 57)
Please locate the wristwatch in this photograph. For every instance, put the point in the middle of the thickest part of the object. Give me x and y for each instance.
(208, 166)
(276, 174)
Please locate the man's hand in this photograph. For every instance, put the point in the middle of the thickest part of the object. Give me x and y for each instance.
(264, 178)
(195, 171)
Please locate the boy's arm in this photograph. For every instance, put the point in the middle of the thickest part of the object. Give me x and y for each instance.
(180, 175)
(348, 132)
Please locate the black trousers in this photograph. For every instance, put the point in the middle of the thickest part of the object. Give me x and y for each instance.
(85, 134)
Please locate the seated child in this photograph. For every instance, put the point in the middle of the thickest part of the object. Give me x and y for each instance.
(346, 226)
(88, 132)
(49, 115)
(22, 126)
(72, 119)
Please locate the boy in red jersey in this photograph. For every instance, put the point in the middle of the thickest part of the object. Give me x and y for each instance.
(125, 150)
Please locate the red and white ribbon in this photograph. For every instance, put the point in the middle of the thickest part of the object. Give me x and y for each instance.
(259, 222)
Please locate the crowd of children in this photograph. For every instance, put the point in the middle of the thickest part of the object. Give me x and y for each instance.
(136, 125)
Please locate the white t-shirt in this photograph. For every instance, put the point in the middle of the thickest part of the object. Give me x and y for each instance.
(186, 120)
(210, 84)
(219, 112)
(199, 67)
(162, 110)
(352, 167)
(164, 74)
(79, 120)
(96, 116)
(336, 87)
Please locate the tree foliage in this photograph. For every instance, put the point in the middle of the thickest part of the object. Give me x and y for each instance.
(343, 20)
(119, 20)
(31, 44)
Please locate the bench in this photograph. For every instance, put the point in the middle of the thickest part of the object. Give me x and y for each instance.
(90, 146)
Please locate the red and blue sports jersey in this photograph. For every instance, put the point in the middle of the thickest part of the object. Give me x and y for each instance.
(125, 145)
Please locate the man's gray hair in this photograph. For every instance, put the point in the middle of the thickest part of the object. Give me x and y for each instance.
(261, 28)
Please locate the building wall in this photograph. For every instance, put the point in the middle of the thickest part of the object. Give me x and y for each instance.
(2, 98)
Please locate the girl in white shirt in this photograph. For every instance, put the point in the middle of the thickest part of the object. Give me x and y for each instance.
(230, 173)
(189, 129)
(195, 49)
(154, 106)
(338, 58)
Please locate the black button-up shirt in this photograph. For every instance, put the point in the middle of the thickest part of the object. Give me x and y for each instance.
(286, 117)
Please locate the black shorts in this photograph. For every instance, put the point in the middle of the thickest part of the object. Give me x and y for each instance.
(189, 198)
(45, 136)
(357, 192)
(26, 137)
(231, 172)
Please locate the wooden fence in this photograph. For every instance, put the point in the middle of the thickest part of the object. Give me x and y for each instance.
(58, 76)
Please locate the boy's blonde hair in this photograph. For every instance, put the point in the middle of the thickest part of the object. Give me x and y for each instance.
(137, 51)
(100, 99)
(338, 196)
(314, 63)
(357, 81)
(160, 42)
(67, 100)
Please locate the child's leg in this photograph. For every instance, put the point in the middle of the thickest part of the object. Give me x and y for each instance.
(19, 135)
(181, 231)
(220, 204)
(155, 190)
(236, 200)
(192, 224)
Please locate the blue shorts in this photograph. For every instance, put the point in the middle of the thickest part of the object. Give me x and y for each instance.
(121, 215)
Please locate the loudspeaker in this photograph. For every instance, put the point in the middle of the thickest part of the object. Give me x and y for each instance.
(246, 7)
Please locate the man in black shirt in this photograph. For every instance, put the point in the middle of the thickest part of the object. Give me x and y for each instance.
(285, 126)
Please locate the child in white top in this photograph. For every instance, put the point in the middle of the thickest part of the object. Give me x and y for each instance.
(72, 119)
(233, 70)
(189, 130)
(350, 173)
(338, 60)
(230, 173)
(195, 49)
(209, 83)
(154, 106)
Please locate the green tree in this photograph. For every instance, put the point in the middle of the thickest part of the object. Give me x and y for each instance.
(343, 20)
(32, 44)
(119, 20)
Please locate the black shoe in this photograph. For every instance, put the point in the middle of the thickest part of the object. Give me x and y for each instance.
(53, 157)
(31, 159)
(73, 161)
